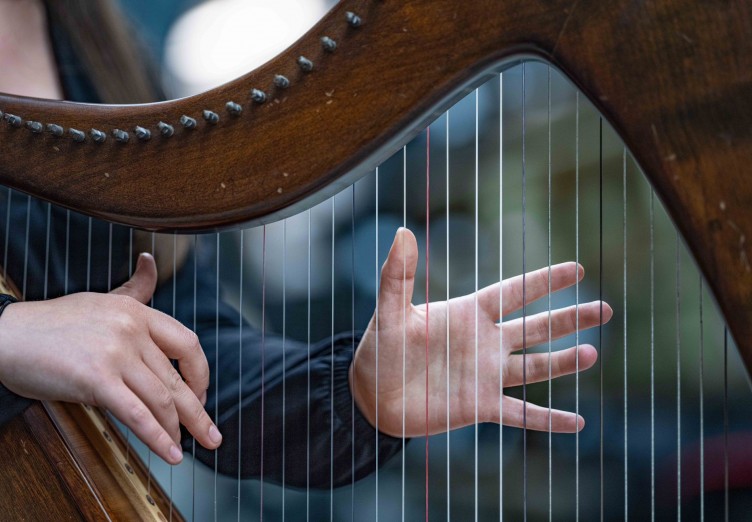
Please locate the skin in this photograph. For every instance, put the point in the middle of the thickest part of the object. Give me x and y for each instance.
(113, 351)
(397, 314)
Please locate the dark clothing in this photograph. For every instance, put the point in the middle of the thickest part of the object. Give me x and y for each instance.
(68, 252)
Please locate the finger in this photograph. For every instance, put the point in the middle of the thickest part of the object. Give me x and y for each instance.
(154, 394)
(178, 342)
(398, 273)
(189, 408)
(131, 411)
(563, 362)
(535, 286)
(533, 417)
(142, 283)
(563, 322)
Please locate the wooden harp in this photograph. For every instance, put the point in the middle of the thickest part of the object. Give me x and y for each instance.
(671, 78)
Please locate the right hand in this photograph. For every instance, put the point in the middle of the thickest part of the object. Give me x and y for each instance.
(112, 351)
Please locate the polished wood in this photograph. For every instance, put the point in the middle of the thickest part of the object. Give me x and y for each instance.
(32, 487)
(672, 77)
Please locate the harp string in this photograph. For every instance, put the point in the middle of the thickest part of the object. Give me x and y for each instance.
(240, 365)
(702, 407)
(600, 299)
(475, 303)
(725, 427)
(548, 250)
(524, 298)
(428, 257)
(376, 364)
(448, 369)
(501, 299)
(216, 365)
(678, 382)
(652, 356)
(577, 301)
(174, 315)
(352, 337)
(308, 391)
(263, 367)
(626, 346)
(195, 324)
(331, 377)
(404, 319)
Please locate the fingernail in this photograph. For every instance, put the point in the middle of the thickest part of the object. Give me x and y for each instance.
(175, 454)
(215, 435)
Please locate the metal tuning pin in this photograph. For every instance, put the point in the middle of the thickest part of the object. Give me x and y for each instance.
(77, 135)
(13, 120)
(211, 117)
(121, 136)
(328, 44)
(281, 81)
(55, 130)
(97, 135)
(258, 95)
(188, 122)
(165, 129)
(142, 133)
(234, 108)
(305, 64)
(353, 20)
(35, 127)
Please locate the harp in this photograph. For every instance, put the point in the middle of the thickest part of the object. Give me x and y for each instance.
(671, 79)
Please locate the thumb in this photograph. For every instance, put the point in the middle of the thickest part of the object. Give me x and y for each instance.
(398, 273)
(142, 283)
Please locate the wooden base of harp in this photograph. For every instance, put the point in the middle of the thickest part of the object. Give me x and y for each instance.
(62, 461)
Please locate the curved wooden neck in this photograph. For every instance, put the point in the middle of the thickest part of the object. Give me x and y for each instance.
(672, 78)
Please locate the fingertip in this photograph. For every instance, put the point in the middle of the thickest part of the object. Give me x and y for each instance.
(588, 355)
(214, 435)
(580, 423)
(175, 455)
(580, 271)
(608, 312)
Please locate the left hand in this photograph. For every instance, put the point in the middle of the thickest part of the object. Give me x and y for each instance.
(399, 321)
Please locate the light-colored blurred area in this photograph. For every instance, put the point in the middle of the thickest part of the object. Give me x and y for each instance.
(203, 44)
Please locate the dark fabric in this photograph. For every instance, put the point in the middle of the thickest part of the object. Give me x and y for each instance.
(68, 252)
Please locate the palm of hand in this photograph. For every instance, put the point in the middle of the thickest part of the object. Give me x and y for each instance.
(400, 334)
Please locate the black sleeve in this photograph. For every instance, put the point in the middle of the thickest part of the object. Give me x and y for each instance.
(11, 405)
(280, 402)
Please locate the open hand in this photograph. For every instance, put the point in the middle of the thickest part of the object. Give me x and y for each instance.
(399, 321)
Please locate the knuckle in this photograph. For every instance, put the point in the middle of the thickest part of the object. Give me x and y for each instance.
(164, 400)
(138, 415)
(175, 382)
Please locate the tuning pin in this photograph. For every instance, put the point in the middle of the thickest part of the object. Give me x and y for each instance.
(142, 133)
(165, 129)
(121, 136)
(97, 135)
(258, 96)
(187, 122)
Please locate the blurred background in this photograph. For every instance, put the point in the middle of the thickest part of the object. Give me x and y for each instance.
(200, 44)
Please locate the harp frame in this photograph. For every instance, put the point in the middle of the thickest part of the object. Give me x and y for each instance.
(673, 79)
